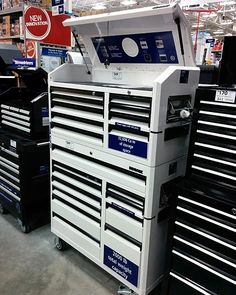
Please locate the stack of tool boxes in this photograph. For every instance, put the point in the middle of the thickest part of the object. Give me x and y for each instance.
(120, 134)
(24, 152)
(204, 243)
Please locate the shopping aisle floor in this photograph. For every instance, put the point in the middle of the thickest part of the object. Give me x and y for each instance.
(31, 265)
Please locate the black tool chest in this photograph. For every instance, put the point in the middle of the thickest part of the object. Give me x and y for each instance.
(24, 110)
(24, 179)
(27, 114)
(204, 240)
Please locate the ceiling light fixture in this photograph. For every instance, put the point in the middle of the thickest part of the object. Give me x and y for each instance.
(207, 15)
(226, 23)
(128, 2)
(99, 6)
(197, 25)
(226, 3)
(218, 32)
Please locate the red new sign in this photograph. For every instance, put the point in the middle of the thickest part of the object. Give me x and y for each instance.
(42, 26)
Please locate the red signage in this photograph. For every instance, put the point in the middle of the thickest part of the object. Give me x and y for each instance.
(31, 47)
(42, 26)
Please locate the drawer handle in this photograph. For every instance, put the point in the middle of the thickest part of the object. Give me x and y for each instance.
(233, 211)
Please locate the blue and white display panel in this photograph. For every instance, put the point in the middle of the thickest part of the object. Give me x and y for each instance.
(121, 265)
(137, 48)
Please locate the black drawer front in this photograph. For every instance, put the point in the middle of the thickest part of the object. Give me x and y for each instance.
(203, 275)
(211, 208)
(211, 258)
(212, 198)
(206, 240)
(179, 285)
(207, 223)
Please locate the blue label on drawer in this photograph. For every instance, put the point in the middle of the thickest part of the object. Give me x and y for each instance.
(122, 209)
(128, 145)
(121, 265)
(127, 126)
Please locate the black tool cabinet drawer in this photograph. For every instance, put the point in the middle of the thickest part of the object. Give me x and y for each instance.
(180, 285)
(203, 274)
(204, 245)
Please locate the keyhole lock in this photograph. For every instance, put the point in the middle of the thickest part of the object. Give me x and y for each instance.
(233, 210)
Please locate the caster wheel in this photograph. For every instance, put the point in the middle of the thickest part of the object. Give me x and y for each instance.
(25, 228)
(60, 244)
(2, 209)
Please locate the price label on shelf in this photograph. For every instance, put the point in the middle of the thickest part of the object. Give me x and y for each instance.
(225, 96)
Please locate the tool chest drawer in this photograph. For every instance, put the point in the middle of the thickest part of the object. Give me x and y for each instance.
(204, 241)
(198, 271)
(180, 285)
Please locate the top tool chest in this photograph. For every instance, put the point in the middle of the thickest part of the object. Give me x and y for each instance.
(204, 244)
(24, 110)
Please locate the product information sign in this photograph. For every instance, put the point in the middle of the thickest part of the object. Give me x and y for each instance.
(24, 62)
(121, 265)
(128, 145)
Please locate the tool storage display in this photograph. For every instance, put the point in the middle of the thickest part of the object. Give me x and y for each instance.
(24, 110)
(119, 132)
(24, 180)
(204, 244)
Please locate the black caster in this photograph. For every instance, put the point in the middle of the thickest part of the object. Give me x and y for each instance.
(25, 228)
(2, 209)
(60, 244)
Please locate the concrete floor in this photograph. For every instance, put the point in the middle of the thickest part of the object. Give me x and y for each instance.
(30, 265)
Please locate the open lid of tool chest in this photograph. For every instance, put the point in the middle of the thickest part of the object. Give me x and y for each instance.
(149, 38)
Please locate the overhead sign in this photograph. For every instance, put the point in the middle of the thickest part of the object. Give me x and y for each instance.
(58, 7)
(37, 22)
(42, 26)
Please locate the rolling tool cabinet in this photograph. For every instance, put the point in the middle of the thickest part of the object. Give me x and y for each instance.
(204, 241)
(24, 180)
(120, 133)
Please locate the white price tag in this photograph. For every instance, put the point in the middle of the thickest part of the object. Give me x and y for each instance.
(116, 75)
(45, 121)
(13, 143)
(69, 145)
(225, 96)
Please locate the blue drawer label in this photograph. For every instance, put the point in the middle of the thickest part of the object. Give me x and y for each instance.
(121, 265)
(128, 126)
(128, 145)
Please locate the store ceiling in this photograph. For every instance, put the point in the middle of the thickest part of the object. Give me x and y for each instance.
(216, 17)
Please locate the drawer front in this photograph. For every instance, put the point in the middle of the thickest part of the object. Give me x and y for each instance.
(76, 199)
(74, 237)
(202, 274)
(204, 246)
(207, 218)
(179, 285)
(78, 115)
(124, 211)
